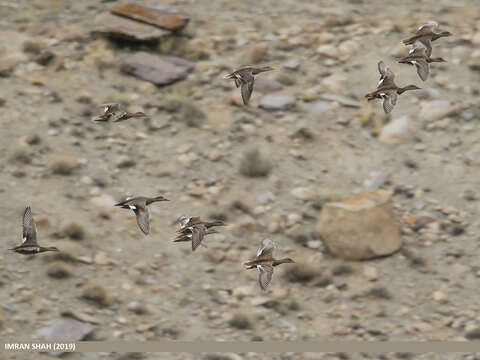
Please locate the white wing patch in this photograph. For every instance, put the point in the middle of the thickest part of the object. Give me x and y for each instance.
(133, 207)
(24, 239)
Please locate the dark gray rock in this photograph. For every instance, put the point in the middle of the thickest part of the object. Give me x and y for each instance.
(160, 70)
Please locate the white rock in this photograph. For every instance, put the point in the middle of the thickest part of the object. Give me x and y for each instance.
(436, 110)
(440, 297)
(304, 193)
(277, 102)
(370, 272)
(335, 83)
(396, 132)
(328, 50)
(103, 203)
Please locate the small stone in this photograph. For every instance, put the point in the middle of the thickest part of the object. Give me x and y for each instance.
(253, 164)
(215, 155)
(473, 334)
(242, 292)
(341, 99)
(103, 203)
(125, 162)
(160, 70)
(328, 50)
(292, 64)
(63, 164)
(59, 270)
(437, 110)
(65, 329)
(397, 131)
(276, 102)
(336, 83)
(440, 297)
(124, 28)
(349, 47)
(370, 272)
(301, 272)
(164, 19)
(42, 222)
(255, 53)
(33, 139)
(304, 193)
(138, 308)
(97, 293)
(240, 321)
(423, 327)
(360, 227)
(74, 231)
(375, 180)
(44, 58)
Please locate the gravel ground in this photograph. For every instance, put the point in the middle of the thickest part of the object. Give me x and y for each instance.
(191, 150)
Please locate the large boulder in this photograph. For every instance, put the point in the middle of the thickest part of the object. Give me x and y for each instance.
(360, 227)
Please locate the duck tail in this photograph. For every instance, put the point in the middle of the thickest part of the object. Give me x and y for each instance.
(156, 198)
(215, 223)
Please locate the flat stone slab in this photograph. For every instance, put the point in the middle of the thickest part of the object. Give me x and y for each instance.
(361, 227)
(276, 102)
(160, 70)
(342, 100)
(65, 329)
(163, 18)
(121, 27)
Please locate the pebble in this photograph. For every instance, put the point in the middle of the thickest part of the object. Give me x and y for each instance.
(304, 193)
(292, 64)
(375, 180)
(329, 51)
(122, 27)
(440, 297)
(437, 110)
(97, 293)
(159, 70)
(396, 132)
(255, 53)
(370, 272)
(163, 18)
(65, 329)
(103, 203)
(276, 102)
(125, 162)
(336, 83)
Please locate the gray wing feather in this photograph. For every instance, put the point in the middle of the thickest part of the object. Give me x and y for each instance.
(143, 220)
(29, 228)
(266, 272)
(247, 89)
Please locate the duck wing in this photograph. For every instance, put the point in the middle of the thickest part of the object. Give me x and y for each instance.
(427, 27)
(422, 68)
(266, 248)
(143, 218)
(266, 272)
(389, 101)
(29, 229)
(198, 233)
(110, 108)
(247, 89)
(387, 75)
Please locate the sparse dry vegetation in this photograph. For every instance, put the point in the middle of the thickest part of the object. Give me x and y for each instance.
(253, 164)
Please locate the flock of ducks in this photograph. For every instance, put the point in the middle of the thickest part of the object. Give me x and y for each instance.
(419, 56)
(193, 229)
